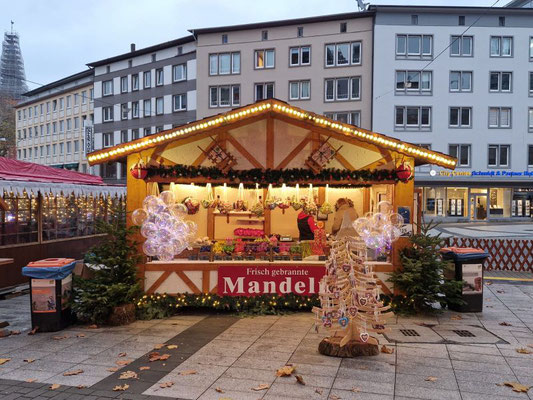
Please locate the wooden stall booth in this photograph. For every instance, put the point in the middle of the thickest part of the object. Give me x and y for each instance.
(242, 174)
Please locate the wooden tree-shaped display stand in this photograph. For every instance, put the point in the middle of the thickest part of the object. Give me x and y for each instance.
(349, 297)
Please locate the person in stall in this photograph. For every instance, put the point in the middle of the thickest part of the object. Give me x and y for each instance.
(343, 206)
(306, 224)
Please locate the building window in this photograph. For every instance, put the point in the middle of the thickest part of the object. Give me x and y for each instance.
(54, 107)
(300, 90)
(501, 21)
(460, 81)
(135, 82)
(342, 89)
(154, 57)
(179, 72)
(124, 136)
(414, 19)
(264, 35)
(124, 111)
(69, 126)
(147, 79)
(460, 117)
(69, 147)
(264, 91)
(342, 54)
(47, 150)
(135, 109)
(159, 105)
(134, 134)
(347, 117)
(84, 97)
(499, 155)
(415, 46)
(76, 124)
(413, 81)
(500, 81)
(224, 38)
(62, 126)
(91, 95)
(499, 117)
(530, 155)
(225, 63)
(264, 59)
(107, 113)
(300, 31)
(343, 27)
(159, 77)
(530, 52)
(224, 96)
(54, 150)
(300, 56)
(68, 102)
(179, 102)
(107, 88)
(159, 129)
(124, 84)
(61, 106)
(462, 20)
(461, 152)
(147, 107)
(108, 139)
(501, 46)
(412, 117)
(76, 146)
(530, 119)
(180, 50)
(147, 131)
(77, 98)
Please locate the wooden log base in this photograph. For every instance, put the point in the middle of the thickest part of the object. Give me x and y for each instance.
(122, 315)
(330, 346)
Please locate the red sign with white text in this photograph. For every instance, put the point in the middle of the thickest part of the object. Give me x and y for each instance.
(254, 280)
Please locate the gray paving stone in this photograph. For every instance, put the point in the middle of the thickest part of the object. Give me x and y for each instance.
(212, 394)
(482, 367)
(485, 388)
(365, 385)
(416, 380)
(426, 393)
(295, 390)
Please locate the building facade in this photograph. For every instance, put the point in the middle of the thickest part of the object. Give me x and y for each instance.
(322, 64)
(140, 93)
(460, 80)
(50, 123)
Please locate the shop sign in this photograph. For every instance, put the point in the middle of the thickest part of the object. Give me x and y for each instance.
(495, 173)
(243, 280)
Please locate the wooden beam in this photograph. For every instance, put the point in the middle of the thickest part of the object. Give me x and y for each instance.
(270, 142)
(240, 148)
(299, 147)
(158, 282)
(201, 158)
(188, 282)
(3, 204)
(204, 180)
(205, 281)
(344, 162)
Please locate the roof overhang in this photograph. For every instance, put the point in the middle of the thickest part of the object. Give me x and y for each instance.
(272, 106)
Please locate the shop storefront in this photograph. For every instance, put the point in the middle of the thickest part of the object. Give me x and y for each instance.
(242, 176)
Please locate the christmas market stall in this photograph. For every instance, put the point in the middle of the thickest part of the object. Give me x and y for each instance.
(247, 202)
(48, 212)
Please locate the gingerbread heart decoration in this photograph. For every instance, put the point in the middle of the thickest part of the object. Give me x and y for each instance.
(352, 311)
(363, 301)
(346, 267)
(343, 321)
(364, 336)
(327, 323)
(337, 294)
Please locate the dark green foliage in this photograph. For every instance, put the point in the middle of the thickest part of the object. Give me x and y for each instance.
(115, 281)
(421, 280)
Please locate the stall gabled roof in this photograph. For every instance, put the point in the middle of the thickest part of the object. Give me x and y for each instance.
(272, 106)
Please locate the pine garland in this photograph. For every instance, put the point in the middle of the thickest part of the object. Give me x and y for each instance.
(276, 177)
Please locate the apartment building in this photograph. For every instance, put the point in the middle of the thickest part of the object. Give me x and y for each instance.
(140, 93)
(322, 64)
(460, 80)
(50, 122)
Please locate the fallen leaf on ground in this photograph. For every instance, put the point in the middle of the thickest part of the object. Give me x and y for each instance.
(287, 370)
(159, 346)
(431, 379)
(33, 331)
(80, 335)
(93, 326)
(219, 390)
(164, 357)
(4, 333)
(188, 372)
(523, 350)
(29, 360)
(334, 397)
(144, 368)
(500, 291)
(387, 350)
(120, 388)
(54, 386)
(4, 360)
(123, 362)
(172, 346)
(425, 324)
(128, 375)
(15, 332)
(517, 387)
(60, 337)
(456, 317)
(299, 379)
(356, 389)
(505, 324)
(166, 384)
(81, 386)
(319, 391)
(122, 354)
(31, 380)
(113, 369)
(71, 373)
(488, 283)
(262, 386)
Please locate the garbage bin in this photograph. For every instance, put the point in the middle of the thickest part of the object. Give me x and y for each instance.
(50, 291)
(468, 263)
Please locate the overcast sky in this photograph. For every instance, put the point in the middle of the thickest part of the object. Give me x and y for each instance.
(58, 37)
